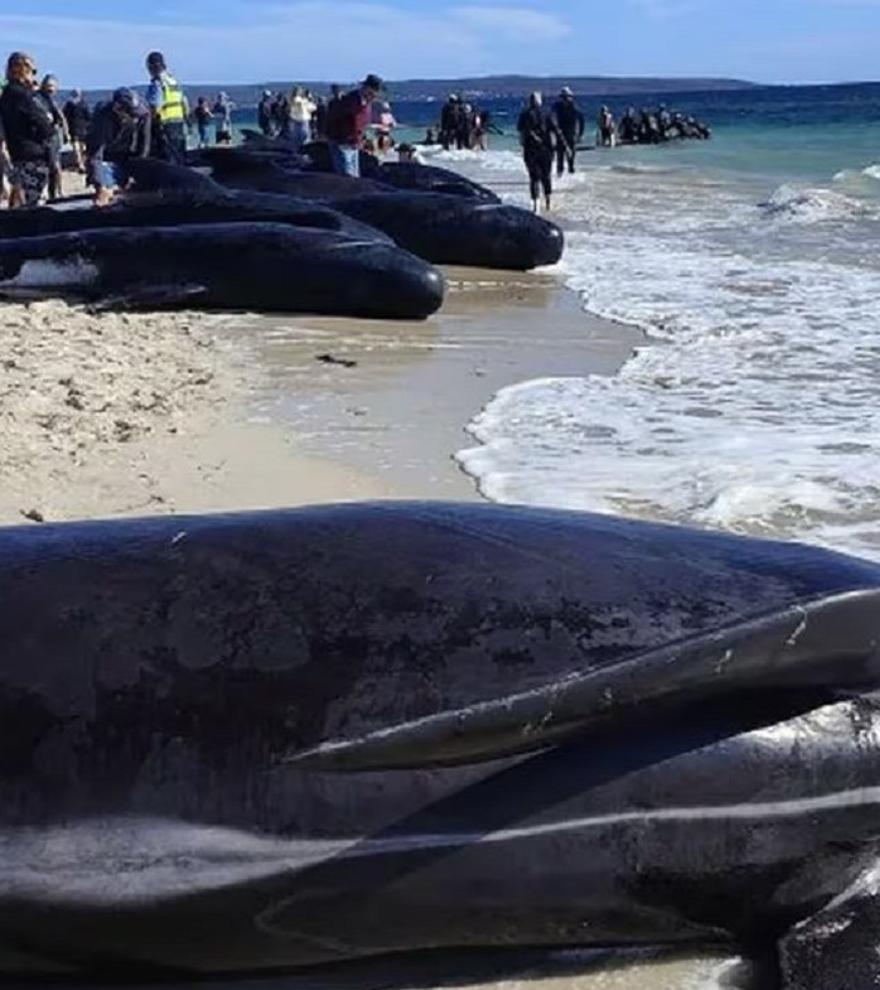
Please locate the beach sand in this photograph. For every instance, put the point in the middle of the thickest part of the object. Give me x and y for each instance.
(398, 406)
(139, 414)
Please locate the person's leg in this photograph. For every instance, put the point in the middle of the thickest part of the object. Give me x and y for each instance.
(345, 160)
(534, 180)
(560, 158)
(547, 177)
(31, 179)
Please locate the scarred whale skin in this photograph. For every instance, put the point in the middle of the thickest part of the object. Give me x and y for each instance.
(262, 742)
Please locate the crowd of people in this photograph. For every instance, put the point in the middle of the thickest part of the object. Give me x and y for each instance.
(557, 133)
(463, 126)
(34, 129)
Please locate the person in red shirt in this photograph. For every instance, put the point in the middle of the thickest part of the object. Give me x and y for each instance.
(347, 120)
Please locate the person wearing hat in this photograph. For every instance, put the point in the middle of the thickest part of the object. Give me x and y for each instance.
(347, 120)
(78, 116)
(46, 95)
(120, 131)
(29, 130)
(570, 123)
(170, 110)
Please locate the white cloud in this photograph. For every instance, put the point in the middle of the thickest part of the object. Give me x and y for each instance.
(308, 39)
(521, 23)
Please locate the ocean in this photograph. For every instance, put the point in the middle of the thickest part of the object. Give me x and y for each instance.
(752, 262)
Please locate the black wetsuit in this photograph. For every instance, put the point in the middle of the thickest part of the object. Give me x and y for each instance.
(265, 117)
(539, 136)
(450, 122)
(570, 121)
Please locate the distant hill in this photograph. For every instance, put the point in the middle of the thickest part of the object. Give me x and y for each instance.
(487, 87)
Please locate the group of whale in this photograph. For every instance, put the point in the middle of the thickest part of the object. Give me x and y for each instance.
(268, 231)
(293, 742)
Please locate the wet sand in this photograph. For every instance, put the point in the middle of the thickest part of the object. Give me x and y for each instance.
(398, 396)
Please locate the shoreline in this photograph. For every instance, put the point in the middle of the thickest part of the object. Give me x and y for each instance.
(397, 404)
(122, 414)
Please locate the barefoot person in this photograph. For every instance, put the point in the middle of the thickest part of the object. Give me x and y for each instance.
(120, 131)
(538, 136)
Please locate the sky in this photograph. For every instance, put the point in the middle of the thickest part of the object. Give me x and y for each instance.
(99, 43)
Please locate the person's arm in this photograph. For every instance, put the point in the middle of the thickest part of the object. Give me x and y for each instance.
(581, 124)
(155, 96)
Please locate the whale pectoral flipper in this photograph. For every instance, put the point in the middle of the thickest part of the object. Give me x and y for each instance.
(826, 645)
(151, 297)
(837, 948)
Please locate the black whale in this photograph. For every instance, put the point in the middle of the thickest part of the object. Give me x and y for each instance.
(273, 741)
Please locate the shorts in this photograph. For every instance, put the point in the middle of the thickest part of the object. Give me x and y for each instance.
(31, 178)
(346, 160)
(109, 175)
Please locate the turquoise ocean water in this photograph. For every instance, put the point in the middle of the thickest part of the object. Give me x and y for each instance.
(753, 262)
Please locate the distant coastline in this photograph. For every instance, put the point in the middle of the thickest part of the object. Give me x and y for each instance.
(481, 87)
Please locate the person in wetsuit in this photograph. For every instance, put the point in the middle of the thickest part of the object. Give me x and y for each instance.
(265, 120)
(570, 123)
(628, 131)
(539, 136)
(450, 121)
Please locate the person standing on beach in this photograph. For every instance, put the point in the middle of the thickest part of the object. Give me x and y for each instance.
(223, 108)
(78, 116)
(203, 117)
(301, 110)
(120, 131)
(29, 130)
(570, 122)
(46, 95)
(347, 120)
(539, 136)
(167, 101)
(265, 119)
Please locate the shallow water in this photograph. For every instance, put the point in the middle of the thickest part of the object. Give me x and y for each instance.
(754, 263)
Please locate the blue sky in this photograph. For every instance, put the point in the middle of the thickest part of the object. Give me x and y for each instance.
(102, 43)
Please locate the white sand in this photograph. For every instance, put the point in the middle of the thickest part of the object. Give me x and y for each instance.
(123, 414)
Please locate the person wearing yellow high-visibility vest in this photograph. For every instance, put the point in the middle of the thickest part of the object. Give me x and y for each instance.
(170, 109)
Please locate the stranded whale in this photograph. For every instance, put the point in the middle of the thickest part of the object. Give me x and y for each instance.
(259, 266)
(262, 742)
